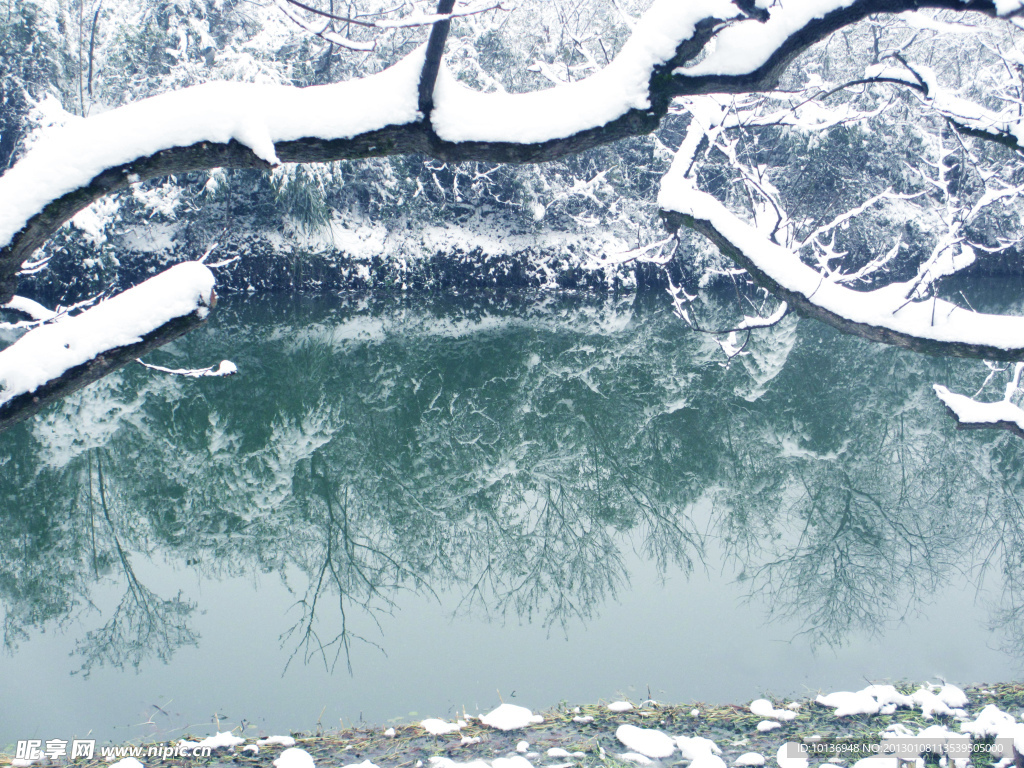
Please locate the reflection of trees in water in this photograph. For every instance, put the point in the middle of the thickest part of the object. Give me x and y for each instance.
(509, 460)
(143, 624)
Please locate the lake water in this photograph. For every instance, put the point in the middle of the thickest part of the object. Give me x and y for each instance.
(401, 508)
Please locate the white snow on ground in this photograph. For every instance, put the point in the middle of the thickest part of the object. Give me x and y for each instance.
(931, 700)
(438, 727)
(516, 761)
(461, 114)
(509, 717)
(128, 762)
(764, 708)
(935, 701)
(768, 725)
(692, 747)
(848, 703)
(293, 757)
(635, 757)
(224, 740)
(749, 759)
(701, 752)
(284, 741)
(785, 761)
(646, 741)
(620, 706)
(255, 115)
(46, 352)
(991, 721)
(887, 307)
(887, 695)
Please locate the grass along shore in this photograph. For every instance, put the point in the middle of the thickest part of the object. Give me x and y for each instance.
(592, 734)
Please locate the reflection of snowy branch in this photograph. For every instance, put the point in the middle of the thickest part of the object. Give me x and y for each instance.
(1001, 414)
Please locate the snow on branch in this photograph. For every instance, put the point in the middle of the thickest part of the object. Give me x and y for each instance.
(420, 20)
(972, 414)
(462, 114)
(894, 314)
(226, 368)
(249, 125)
(64, 355)
(256, 116)
(751, 55)
(31, 309)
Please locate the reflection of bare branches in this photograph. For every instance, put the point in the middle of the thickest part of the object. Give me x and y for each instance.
(143, 624)
(350, 562)
(874, 539)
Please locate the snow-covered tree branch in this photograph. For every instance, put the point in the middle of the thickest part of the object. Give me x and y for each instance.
(242, 125)
(712, 67)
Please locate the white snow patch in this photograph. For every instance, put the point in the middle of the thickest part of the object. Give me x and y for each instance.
(293, 757)
(509, 717)
(847, 703)
(223, 740)
(991, 721)
(437, 727)
(33, 309)
(646, 741)
(696, 747)
(635, 757)
(744, 46)
(785, 761)
(283, 741)
(620, 706)
(768, 725)
(127, 762)
(764, 708)
(749, 759)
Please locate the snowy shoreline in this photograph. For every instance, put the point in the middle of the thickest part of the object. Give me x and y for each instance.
(847, 728)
